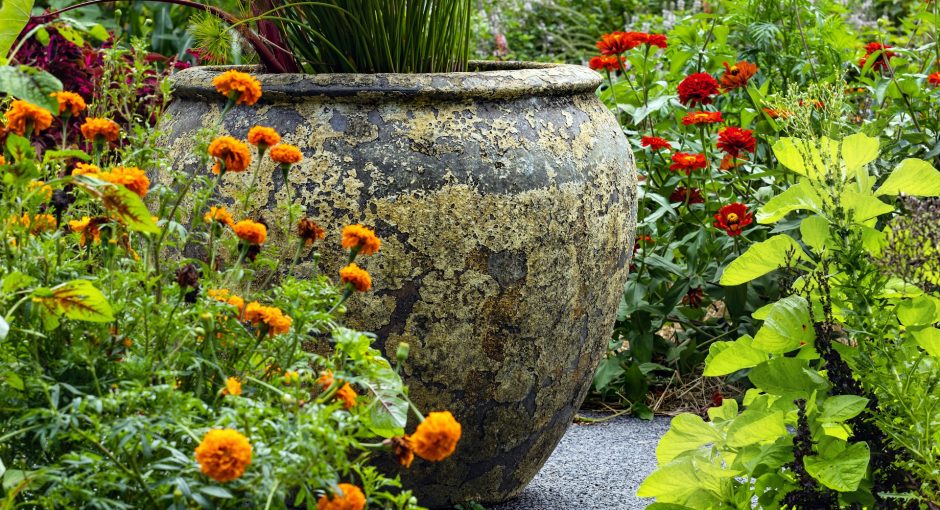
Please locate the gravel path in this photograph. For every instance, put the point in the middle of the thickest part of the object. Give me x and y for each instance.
(596, 466)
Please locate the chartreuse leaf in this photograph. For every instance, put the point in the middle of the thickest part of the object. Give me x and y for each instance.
(842, 472)
(929, 340)
(728, 410)
(76, 299)
(814, 231)
(121, 202)
(782, 376)
(800, 196)
(14, 14)
(858, 150)
(752, 427)
(790, 155)
(842, 407)
(683, 482)
(728, 357)
(760, 259)
(914, 177)
(863, 205)
(31, 85)
(686, 432)
(919, 311)
(787, 327)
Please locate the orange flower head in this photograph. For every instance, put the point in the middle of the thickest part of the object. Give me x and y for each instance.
(44, 189)
(232, 387)
(131, 178)
(23, 114)
(403, 451)
(233, 154)
(70, 103)
(223, 296)
(219, 214)
(655, 143)
(774, 113)
(309, 231)
(695, 118)
(43, 223)
(98, 130)
(262, 136)
(326, 379)
(291, 377)
(436, 437)
(347, 394)
(270, 317)
(88, 228)
(251, 232)
(86, 169)
(241, 87)
(223, 455)
(356, 276)
(286, 154)
(734, 141)
(934, 79)
(738, 75)
(349, 498)
(687, 162)
(733, 218)
(361, 238)
(607, 62)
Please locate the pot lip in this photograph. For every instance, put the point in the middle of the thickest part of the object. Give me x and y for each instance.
(485, 80)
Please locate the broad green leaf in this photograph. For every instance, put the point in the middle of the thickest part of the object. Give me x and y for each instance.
(681, 482)
(388, 413)
(790, 155)
(99, 32)
(608, 370)
(800, 196)
(929, 340)
(914, 177)
(686, 432)
(16, 281)
(919, 311)
(728, 357)
(71, 35)
(842, 472)
(814, 231)
(842, 407)
(14, 14)
(728, 410)
(19, 147)
(863, 206)
(782, 376)
(858, 150)
(65, 154)
(760, 259)
(76, 299)
(753, 427)
(216, 492)
(121, 202)
(788, 326)
(31, 85)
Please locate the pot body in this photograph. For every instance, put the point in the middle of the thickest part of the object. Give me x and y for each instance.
(506, 202)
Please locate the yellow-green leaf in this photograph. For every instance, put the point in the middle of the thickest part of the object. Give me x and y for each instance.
(760, 259)
(14, 14)
(859, 150)
(78, 300)
(122, 203)
(914, 177)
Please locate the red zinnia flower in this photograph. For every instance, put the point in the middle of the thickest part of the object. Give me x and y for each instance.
(881, 63)
(687, 162)
(682, 194)
(693, 118)
(618, 43)
(934, 79)
(738, 75)
(735, 140)
(733, 218)
(698, 88)
(657, 40)
(655, 143)
(608, 62)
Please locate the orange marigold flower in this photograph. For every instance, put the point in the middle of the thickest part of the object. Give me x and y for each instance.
(694, 118)
(436, 437)
(326, 379)
(95, 129)
(403, 451)
(774, 113)
(934, 79)
(291, 377)
(43, 188)
(350, 497)
(88, 228)
(697, 88)
(263, 136)
(286, 154)
(738, 75)
(348, 395)
(356, 276)
(733, 218)
(729, 162)
(222, 295)
(219, 214)
(734, 141)
(688, 162)
(43, 223)
(86, 169)
(22, 113)
(232, 387)
(361, 238)
(130, 177)
(241, 87)
(309, 231)
(233, 154)
(70, 103)
(270, 317)
(223, 455)
(251, 232)
(655, 143)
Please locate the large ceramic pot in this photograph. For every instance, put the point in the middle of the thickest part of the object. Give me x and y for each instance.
(505, 198)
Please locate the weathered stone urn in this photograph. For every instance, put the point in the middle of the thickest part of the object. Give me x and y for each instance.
(505, 198)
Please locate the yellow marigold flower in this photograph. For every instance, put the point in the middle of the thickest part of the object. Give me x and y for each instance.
(22, 113)
(286, 154)
(270, 316)
(130, 177)
(42, 223)
(309, 231)
(251, 232)
(224, 455)
(43, 188)
(351, 498)
(70, 103)
(232, 387)
(355, 275)
(227, 151)
(326, 379)
(436, 437)
(348, 395)
(86, 169)
(96, 129)
(223, 296)
(219, 214)
(88, 228)
(263, 136)
(242, 87)
(361, 238)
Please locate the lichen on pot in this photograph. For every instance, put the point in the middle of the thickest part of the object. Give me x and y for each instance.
(505, 198)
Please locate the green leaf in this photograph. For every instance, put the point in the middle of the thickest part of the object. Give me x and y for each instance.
(814, 231)
(919, 311)
(122, 203)
(782, 376)
(78, 300)
(788, 326)
(914, 177)
(608, 370)
(842, 407)
(858, 150)
(790, 155)
(216, 492)
(16, 281)
(31, 85)
(19, 147)
(864, 206)
(760, 259)
(65, 154)
(728, 410)
(842, 472)
(99, 32)
(728, 357)
(753, 427)
(682, 482)
(686, 432)
(929, 340)
(797, 197)
(70, 34)
(388, 413)
(14, 15)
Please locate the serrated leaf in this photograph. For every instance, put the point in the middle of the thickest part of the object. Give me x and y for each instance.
(914, 177)
(787, 327)
(78, 300)
(19, 148)
(31, 85)
(842, 472)
(14, 15)
(728, 357)
(760, 259)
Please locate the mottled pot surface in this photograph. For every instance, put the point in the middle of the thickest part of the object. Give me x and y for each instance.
(506, 201)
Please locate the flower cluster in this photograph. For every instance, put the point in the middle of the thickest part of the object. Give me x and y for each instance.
(883, 58)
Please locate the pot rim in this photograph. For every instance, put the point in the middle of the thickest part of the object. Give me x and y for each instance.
(486, 80)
